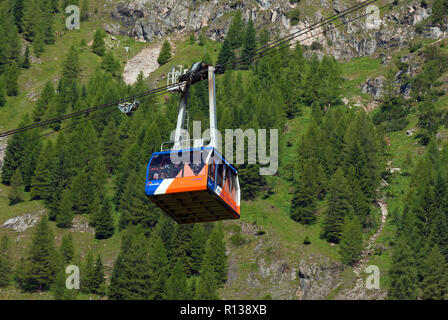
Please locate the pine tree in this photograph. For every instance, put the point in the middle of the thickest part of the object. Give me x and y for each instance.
(338, 207)
(82, 193)
(303, 204)
(165, 53)
(182, 247)
(85, 10)
(158, 268)
(67, 249)
(15, 195)
(249, 45)
(135, 208)
(38, 271)
(351, 247)
(215, 254)
(64, 217)
(402, 272)
(207, 286)
(40, 182)
(104, 223)
(87, 273)
(109, 64)
(26, 64)
(176, 285)
(42, 103)
(39, 40)
(236, 31)
(226, 54)
(435, 285)
(198, 243)
(98, 46)
(59, 286)
(98, 279)
(12, 80)
(5, 263)
(131, 277)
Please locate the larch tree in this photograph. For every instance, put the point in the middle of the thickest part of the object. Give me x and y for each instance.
(403, 285)
(351, 244)
(104, 222)
(98, 280)
(131, 276)
(434, 285)
(158, 267)
(165, 53)
(38, 270)
(338, 207)
(64, 217)
(67, 249)
(176, 285)
(16, 193)
(98, 46)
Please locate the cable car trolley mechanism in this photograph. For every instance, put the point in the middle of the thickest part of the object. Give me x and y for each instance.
(201, 185)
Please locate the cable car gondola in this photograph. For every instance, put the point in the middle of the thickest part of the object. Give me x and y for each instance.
(204, 187)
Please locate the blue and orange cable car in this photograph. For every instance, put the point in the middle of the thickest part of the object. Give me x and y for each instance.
(204, 189)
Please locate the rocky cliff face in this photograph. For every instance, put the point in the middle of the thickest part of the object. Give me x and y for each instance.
(151, 19)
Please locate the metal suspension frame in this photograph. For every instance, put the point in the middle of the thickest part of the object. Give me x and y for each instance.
(179, 141)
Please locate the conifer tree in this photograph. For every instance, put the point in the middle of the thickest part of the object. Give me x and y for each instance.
(87, 273)
(249, 45)
(226, 54)
(131, 277)
(236, 31)
(338, 207)
(40, 182)
(104, 223)
(435, 285)
(15, 195)
(26, 64)
(39, 41)
(67, 249)
(98, 46)
(135, 208)
(42, 103)
(176, 285)
(109, 64)
(351, 247)
(98, 279)
(182, 247)
(38, 271)
(85, 10)
(59, 286)
(81, 193)
(64, 217)
(165, 53)
(12, 80)
(5, 262)
(216, 255)
(303, 204)
(198, 243)
(158, 268)
(18, 14)
(402, 272)
(207, 285)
